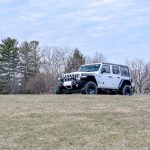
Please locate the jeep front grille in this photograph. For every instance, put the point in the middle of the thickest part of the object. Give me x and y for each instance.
(70, 77)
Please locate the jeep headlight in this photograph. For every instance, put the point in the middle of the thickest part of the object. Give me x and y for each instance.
(83, 75)
(59, 79)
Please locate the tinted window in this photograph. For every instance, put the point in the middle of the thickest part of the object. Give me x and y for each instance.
(115, 70)
(124, 71)
(89, 68)
(106, 69)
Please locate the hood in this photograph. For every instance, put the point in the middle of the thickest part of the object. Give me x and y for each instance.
(72, 73)
(77, 74)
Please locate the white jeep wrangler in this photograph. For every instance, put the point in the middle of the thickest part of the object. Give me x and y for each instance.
(97, 78)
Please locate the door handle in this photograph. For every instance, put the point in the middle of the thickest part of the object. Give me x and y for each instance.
(110, 76)
(118, 77)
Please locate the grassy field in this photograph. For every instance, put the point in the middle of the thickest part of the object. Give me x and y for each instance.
(74, 122)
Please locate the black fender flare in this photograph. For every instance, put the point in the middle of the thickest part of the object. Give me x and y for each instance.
(123, 81)
(89, 78)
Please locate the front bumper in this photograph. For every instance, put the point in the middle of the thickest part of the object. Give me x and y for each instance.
(67, 83)
(71, 86)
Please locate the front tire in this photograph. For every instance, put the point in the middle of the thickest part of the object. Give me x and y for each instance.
(90, 88)
(59, 90)
(127, 90)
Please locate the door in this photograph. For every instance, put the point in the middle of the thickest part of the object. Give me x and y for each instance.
(116, 77)
(105, 78)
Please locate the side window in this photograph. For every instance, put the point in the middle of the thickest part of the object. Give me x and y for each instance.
(124, 71)
(105, 69)
(115, 70)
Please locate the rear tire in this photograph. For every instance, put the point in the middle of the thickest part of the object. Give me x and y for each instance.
(127, 90)
(90, 88)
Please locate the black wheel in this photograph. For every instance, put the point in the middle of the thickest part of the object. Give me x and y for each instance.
(59, 90)
(127, 90)
(90, 88)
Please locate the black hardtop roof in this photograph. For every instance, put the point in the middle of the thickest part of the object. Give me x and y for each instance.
(106, 64)
(114, 64)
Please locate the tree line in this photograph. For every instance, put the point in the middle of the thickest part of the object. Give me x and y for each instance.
(27, 68)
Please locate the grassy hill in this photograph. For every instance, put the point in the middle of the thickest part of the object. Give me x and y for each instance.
(77, 122)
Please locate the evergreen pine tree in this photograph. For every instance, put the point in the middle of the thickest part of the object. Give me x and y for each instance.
(75, 61)
(30, 60)
(9, 65)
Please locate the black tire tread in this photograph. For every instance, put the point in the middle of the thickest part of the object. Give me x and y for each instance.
(124, 90)
(84, 91)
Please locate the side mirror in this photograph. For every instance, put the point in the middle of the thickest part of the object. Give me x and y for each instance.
(103, 70)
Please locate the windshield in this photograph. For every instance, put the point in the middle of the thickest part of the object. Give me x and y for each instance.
(89, 68)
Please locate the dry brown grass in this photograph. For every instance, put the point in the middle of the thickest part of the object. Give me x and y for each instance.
(74, 122)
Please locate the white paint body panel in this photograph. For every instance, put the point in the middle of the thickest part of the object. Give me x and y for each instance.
(105, 80)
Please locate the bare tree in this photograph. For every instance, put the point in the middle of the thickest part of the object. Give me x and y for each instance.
(140, 71)
(147, 84)
(54, 62)
(97, 58)
(37, 84)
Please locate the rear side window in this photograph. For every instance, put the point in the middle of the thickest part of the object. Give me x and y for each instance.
(124, 71)
(115, 70)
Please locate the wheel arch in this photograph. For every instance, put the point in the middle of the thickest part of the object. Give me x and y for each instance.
(124, 82)
(89, 78)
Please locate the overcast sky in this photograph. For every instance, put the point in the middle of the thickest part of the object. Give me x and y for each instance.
(119, 29)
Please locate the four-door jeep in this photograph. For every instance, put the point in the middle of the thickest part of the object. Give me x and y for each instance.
(97, 78)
